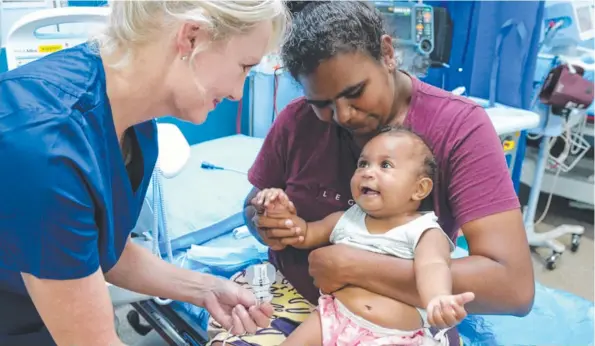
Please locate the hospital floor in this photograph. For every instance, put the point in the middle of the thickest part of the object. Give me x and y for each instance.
(574, 272)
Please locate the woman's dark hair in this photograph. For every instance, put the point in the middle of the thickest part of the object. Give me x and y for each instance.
(324, 29)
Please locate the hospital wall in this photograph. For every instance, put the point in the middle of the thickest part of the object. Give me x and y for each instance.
(232, 117)
(221, 122)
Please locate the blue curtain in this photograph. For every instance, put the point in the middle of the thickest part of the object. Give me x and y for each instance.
(477, 25)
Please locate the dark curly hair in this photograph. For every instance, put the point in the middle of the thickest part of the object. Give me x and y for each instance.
(430, 166)
(323, 29)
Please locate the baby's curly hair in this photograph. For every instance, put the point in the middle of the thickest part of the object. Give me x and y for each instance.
(430, 167)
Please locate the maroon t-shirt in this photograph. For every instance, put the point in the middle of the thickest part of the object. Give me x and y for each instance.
(313, 162)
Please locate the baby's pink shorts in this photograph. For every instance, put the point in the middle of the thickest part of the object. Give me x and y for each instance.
(341, 327)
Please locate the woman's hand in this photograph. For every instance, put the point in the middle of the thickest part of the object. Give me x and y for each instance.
(276, 219)
(329, 266)
(235, 307)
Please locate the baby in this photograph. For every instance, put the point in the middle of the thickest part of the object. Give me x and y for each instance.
(394, 174)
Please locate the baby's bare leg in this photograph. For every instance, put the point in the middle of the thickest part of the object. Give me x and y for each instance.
(309, 333)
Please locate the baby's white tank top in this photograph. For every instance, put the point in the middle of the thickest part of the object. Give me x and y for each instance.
(399, 241)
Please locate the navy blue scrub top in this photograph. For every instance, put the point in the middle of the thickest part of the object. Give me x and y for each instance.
(68, 202)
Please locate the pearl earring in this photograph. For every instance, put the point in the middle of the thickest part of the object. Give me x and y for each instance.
(184, 58)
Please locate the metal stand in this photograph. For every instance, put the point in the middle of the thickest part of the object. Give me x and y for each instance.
(547, 239)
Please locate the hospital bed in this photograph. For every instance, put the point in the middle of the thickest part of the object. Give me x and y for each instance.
(203, 208)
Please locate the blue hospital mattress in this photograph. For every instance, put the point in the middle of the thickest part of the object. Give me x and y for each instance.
(198, 198)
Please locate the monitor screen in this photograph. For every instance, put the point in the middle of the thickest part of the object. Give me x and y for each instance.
(398, 22)
(585, 21)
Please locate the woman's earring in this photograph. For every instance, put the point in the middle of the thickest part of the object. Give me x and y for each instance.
(184, 58)
(390, 67)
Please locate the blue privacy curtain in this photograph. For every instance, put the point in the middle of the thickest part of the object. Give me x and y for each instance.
(477, 25)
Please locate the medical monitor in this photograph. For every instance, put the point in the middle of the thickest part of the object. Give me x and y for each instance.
(584, 16)
(577, 18)
(411, 24)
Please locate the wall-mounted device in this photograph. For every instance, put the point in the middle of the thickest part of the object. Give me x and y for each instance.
(413, 27)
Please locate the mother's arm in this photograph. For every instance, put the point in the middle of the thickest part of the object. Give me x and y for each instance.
(482, 199)
(497, 270)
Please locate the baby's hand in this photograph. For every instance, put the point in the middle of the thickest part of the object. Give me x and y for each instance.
(273, 200)
(448, 311)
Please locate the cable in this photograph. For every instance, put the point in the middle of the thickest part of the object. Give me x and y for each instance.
(576, 148)
(275, 90)
(239, 116)
(550, 32)
(210, 166)
(229, 335)
(159, 208)
(549, 199)
(559, 164)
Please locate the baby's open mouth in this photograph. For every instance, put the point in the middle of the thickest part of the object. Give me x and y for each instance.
(368, 191)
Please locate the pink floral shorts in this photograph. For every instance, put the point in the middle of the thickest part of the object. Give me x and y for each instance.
(341, 327)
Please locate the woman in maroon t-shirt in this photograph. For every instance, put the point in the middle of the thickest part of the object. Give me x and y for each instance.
(339, 52)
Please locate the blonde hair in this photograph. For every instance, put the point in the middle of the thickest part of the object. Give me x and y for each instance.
(134, 23)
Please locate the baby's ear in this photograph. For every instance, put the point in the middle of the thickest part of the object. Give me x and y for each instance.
(424, 187)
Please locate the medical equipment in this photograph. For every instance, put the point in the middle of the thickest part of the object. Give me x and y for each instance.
(565, 88)
(153, 224)
(576, 19)
(422, 33)
(412, 24)
(46, 31)
(174, 154)
(562, 113)
(260, 277)
(12, 10)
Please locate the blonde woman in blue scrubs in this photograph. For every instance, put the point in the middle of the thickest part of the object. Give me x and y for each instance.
(78, 144)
